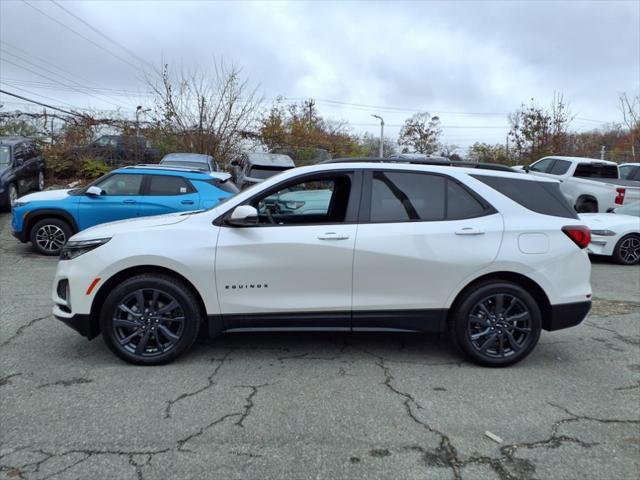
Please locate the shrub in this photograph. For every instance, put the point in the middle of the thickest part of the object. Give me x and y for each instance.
(92, 168)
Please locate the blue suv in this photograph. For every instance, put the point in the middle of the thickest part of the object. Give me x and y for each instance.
(47, 219)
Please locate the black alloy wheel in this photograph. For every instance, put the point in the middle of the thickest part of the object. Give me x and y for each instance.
(150, 319)
(496, 323)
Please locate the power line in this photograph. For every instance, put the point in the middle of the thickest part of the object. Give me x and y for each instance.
(53, 79)
(38, 103)
(64, 25)
(103, 35)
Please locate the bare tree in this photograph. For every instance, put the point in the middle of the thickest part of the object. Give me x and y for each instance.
(205, 112)
(631, 116)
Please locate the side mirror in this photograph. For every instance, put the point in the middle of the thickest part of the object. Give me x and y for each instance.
(526, 168)
(94, 191)
(235, 163)
(243, 216)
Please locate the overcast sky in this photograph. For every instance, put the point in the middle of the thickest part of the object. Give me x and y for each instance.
(469, 62)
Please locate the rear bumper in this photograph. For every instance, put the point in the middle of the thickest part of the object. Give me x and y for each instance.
(567, 315)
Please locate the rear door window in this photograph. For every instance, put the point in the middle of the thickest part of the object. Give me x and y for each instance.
(407, 196)
(168, 185)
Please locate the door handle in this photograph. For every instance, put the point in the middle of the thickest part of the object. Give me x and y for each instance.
(187, 202)
(469, 231)
(129, 202)
(332, 236)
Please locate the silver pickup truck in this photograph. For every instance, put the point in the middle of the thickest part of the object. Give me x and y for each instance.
(590, 185)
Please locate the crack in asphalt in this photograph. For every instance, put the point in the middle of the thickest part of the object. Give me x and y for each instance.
(210, 383)
(249, 404)
(6, 380)
(507, 466)
(631, 340)
(22, 328)
(67, 383)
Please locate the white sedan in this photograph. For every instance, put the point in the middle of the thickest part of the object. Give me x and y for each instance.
(616, 234)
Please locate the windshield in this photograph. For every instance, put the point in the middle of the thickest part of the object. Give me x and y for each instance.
(178, 163)
(5, 157)
(265, 172)
(631, 209)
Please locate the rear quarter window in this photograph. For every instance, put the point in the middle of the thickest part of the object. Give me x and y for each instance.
(596, 170)
(539, 197)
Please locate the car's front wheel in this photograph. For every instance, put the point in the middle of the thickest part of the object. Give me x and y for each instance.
(49, 235)
(496, 324)
(627, 251)
(150, 319)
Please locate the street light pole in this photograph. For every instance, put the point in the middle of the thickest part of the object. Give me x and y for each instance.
(381, 154)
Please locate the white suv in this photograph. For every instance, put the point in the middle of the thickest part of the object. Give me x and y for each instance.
(491, 257)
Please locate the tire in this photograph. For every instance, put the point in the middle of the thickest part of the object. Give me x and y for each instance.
(479, 325)
(132, 313)
(627, 250)
(49, 235)
(12, 194)
(40, 181)
(587, 206)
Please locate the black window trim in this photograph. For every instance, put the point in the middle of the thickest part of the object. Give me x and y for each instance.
(365, 209)
(146, 186)
(353, 204)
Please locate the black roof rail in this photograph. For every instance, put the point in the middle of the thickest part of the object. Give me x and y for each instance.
(157, 166)
(425, 161)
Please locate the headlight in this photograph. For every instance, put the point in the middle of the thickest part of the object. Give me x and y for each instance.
(603, 233)
(20, 204)
(76, 248)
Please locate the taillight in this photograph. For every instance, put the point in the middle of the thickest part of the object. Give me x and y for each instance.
(580, 234)
(620, 196)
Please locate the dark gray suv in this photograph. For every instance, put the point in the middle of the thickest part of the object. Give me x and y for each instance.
(256, 167)
(21, 169)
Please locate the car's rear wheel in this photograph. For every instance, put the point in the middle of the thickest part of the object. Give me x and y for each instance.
(496, 323)
(627, 250)
(586, 205)
(150, 319)
(49, 235)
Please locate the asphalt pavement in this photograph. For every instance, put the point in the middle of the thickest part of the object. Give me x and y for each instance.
(311, 406)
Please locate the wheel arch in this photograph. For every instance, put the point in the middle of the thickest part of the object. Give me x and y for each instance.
(117, 278)
(585, 198)
(38, 215)
(523, 281)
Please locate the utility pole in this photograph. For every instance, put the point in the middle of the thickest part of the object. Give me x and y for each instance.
(381, 148)
(507, 150)
(310, 104)
(602, 152)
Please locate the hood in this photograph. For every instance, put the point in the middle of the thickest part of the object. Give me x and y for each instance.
(46, 195)
(609, 221)
(132, 224)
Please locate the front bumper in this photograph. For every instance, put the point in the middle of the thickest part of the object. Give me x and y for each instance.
(567, 315)
(82, 324)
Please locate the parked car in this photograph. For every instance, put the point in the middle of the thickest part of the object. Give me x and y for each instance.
(47, 219)
(198, 161)
(115, 149)
(491, 257)
(588, 184)
(616, 234)
(629, 171)
(256, 167)
(21, 169)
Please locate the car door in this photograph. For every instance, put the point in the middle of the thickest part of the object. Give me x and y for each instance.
(120, 199)
(420, 237)
(31, 164)
(295, 262)
(167, 194)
